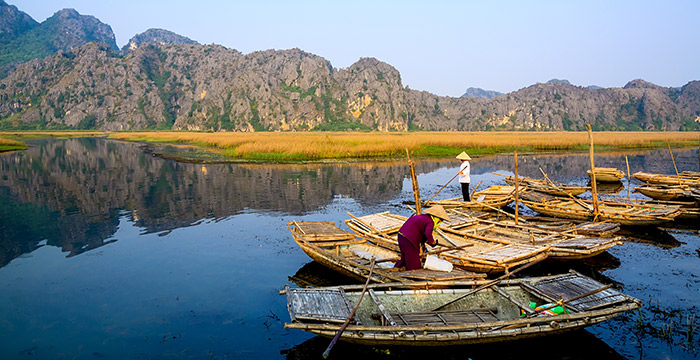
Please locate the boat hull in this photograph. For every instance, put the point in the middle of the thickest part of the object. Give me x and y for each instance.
(464, 337)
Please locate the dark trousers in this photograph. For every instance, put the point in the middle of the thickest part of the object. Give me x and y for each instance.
(410, 256)
(465, 191)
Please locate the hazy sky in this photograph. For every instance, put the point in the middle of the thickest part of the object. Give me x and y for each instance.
(439, 46)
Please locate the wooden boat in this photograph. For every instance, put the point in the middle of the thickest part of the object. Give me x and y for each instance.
(668, 179)
(402, 315)
(687, 209)
(351, 255)
(547, 186)
(669, 192)
(475, 253)
(575, 241)
(691, 174)
(553, 224)
(495, 197)
(564, 245)
(574, 208)
(607, 174)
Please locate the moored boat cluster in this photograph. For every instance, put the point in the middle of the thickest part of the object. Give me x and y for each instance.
(485, 245)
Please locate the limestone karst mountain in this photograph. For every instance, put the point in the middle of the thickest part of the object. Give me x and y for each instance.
(67, 73)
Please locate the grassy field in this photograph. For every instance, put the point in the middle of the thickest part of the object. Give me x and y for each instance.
(313, 146)
(329, 146)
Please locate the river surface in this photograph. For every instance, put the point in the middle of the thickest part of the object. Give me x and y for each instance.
(110, 252)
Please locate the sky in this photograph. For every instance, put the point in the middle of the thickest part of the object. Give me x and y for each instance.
(439, 46)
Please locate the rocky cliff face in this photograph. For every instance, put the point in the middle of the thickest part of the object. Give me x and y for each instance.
(209, 87)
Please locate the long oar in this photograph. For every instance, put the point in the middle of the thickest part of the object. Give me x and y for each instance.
(443, 186)
(488, 284)
(352, 314)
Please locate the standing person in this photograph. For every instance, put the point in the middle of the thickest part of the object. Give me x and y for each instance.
(418, 229)
(464, 178)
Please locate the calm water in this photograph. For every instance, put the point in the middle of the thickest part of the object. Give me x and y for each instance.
(108, 252)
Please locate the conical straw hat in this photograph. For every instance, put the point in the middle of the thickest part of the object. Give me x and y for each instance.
(463, 156)
(438, 211)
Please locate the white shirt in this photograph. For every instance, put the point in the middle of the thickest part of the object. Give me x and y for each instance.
(464, 170)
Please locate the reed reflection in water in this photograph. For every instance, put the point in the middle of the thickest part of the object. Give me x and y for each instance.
(107, 251)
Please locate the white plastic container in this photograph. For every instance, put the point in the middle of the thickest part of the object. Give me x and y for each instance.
(432, 262)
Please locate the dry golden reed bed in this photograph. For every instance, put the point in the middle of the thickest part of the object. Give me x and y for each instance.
(342, 145)
(10, 144)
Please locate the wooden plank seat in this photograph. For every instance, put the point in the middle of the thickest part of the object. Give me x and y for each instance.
(443, 318)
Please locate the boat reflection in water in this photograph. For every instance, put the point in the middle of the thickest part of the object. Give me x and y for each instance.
(577, 345)
(610, 188)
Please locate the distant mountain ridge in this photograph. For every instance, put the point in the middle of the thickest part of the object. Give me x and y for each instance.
(160, 36)
(24, 39)
(14, 22)
(481, 93)
(169, 82)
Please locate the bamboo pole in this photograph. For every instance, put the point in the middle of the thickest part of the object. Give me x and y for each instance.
(488, 285)
(516, 186)
(414, 181)
(674, 163)
(352, 314)
(629, 178)
(474, 190)
(594, 188)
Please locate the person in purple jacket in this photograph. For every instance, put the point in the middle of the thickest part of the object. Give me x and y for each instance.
(416, 230)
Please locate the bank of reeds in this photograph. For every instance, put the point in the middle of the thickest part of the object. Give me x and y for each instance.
(10, 144)
(10, 140)
(342, 145)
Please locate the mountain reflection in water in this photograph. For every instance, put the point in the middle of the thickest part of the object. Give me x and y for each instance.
(197, 252)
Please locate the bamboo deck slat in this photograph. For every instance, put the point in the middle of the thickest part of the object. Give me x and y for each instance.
(572, 285)
(318, 305)
(322, 231)
(607, 174)
(383, 222)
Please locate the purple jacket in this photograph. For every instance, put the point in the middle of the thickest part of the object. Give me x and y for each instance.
(417, 229)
